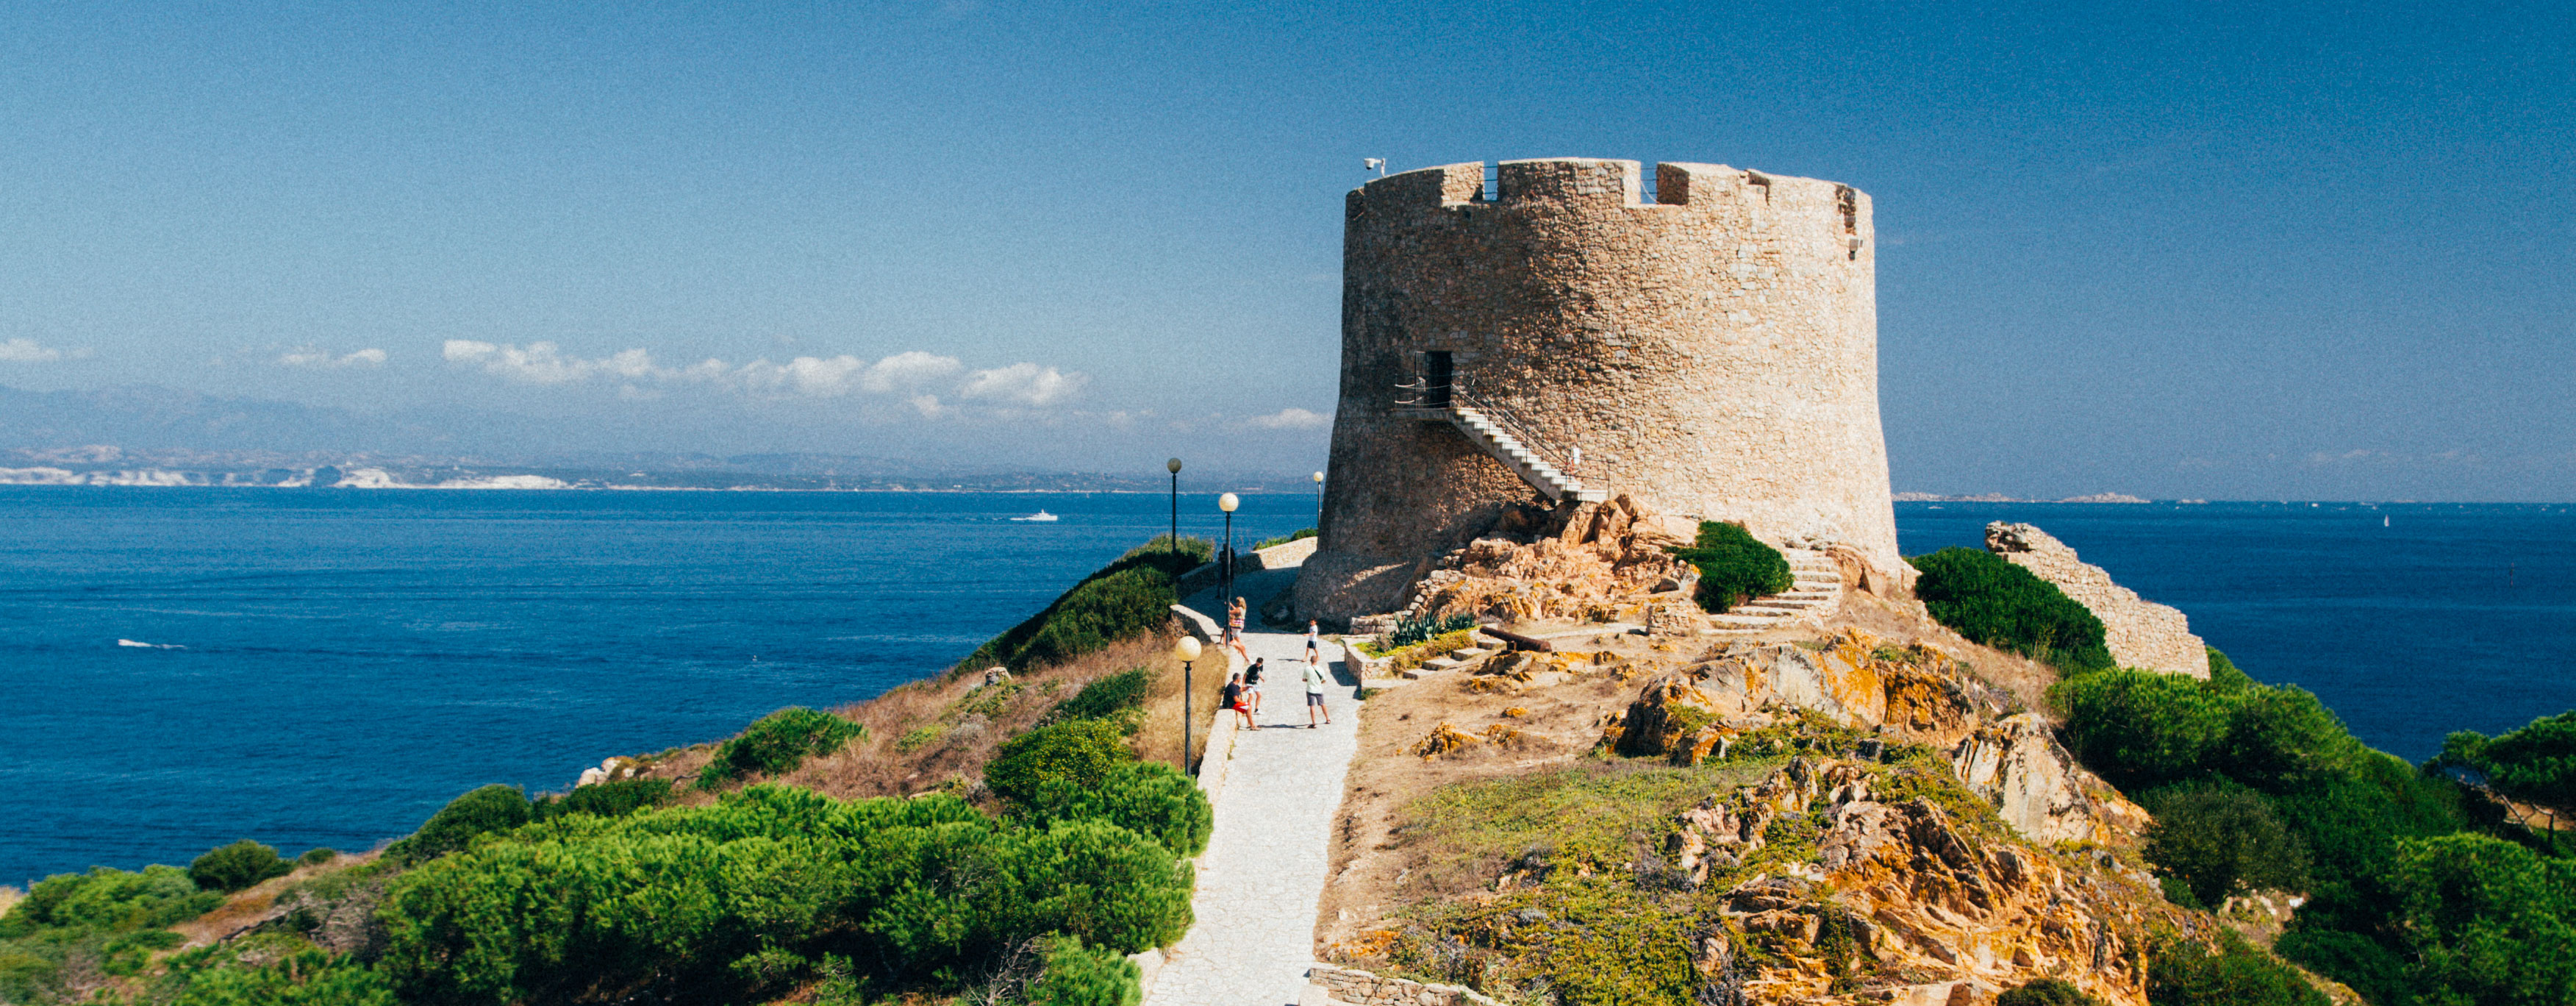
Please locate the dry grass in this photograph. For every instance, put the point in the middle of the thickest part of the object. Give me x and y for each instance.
(937, 733)
(253, 905)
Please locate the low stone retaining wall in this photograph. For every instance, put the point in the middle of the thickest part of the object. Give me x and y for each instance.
(1246, 563)
(1360, 988)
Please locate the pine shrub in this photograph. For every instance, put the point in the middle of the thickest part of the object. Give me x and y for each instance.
(1127, 598)
(1106, 698)
(230, 868)
(479, 812)
(778, 743)
(1079, 753)
(2046, 992)
(2220, 841)
(1076, 975)
(1734, 567)
(606, 799)
(1148, 798)
(1991, 601)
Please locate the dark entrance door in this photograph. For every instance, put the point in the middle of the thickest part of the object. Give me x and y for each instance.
(1437, 373)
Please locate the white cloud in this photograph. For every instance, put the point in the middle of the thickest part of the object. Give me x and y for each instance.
(545, 363)
(318, 359)
(30, 351)
(1293, 419)
(918, 378)
(1023, 384)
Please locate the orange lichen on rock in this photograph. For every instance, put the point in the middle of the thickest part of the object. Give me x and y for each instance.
(1444, 740)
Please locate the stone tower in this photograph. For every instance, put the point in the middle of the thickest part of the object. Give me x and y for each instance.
(1710, 350)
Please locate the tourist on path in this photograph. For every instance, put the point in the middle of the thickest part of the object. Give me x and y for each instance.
(1315, 690)
(1233, 698)
(1252, 683)
(1311, 648)
(1234, 627)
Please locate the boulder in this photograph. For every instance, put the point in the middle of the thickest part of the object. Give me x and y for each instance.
(2038, 788)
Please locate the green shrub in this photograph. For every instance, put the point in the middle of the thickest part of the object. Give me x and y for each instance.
(2221, 841)
(108, 900)
(919, 737)
(2230, 974)
(1130, 597)
(2536, 763)
(606, 799)
(1080, 752)
(1106, 697)
(1734, 567)
(317, 856)
(2141, 730)
(741, 900)
(1409, 631)
(2046, 992)
(1148, 798)
(230, 868)
(2353, 959)
(1077, 975)
(777, 743)
(479, 812)
(1300, 535)
(1991, 601)
(2223, 673)
(2486, 920)
(306, 978)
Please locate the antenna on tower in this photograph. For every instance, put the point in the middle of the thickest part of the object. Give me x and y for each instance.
(1376, 164)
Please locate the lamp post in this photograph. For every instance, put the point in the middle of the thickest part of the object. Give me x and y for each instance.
(1188, 650)
(1227, 503)
(1319, 504)
(1174, 466)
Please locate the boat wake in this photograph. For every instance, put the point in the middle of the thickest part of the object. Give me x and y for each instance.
(140, 645)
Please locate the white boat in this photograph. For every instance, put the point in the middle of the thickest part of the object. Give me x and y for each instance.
(1040, 516)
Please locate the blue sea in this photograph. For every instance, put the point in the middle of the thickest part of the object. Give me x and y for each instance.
(327, 667)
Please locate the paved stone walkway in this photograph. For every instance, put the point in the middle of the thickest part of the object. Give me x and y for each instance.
(1265, 866)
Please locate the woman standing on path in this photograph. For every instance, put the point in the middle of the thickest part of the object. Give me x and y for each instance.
(1315, 690)
(1234, 627)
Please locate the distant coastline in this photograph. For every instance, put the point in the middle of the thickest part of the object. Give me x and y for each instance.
(516, 478)
(2001, 498)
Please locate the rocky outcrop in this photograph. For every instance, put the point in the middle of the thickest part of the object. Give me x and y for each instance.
(1897, 901)
(2036, 786)
(2140, 633)
(1915, 692)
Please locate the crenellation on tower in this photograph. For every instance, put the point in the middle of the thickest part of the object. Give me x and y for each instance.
(1712, 353)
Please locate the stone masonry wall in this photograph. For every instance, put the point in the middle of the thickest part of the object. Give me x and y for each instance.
(1360, 988)
(2141, 633)
(1712, 353)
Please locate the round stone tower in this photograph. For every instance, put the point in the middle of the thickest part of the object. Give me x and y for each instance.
(1550, 337)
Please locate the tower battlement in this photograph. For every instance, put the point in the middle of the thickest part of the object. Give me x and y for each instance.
(1710, 349)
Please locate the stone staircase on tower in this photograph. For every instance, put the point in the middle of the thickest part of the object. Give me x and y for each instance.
(1498, 441)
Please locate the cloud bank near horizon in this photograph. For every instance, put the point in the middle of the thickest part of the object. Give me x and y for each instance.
(926, 381)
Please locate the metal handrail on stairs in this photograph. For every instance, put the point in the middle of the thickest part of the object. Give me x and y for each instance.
(1453, 400)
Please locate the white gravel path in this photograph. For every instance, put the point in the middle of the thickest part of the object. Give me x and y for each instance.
(1264, 870)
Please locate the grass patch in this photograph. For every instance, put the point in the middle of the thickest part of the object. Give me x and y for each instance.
(1129, 597)
(1593, 815)
(1300, 535)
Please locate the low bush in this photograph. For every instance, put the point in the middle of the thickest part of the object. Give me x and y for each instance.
(2536, 763)
(2233, 973)
(1126, 598)
(317, 856)
(1148, 798)
(605, 799)
(770, 887)
(72, 927)
(2486, 920)
(1734, 567)
(1077, 975)
(1105, 698)
(2046, 992)
(1079, 752)
(777, 743)
(1989, 600)
(455, 826)
(302, 978)
(1301, 534)
(230, 868)
(2221, 840)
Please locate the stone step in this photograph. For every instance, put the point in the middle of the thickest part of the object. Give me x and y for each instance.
(1763, 610)
(1438, 664)
(1789, 602)
(1468, 653)
(1740, 617)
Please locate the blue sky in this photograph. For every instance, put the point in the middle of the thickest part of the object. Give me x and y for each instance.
(2180, 250)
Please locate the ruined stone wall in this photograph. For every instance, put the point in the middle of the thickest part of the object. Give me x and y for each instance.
(1712, 353)
(2140, 633)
